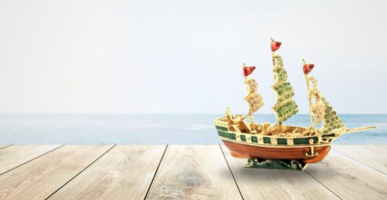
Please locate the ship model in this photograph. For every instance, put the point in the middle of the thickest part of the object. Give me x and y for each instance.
(279, 146)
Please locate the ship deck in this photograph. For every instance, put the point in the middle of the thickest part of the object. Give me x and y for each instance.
(183, 172)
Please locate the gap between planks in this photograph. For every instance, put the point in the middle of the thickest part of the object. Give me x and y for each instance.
(349, 178)
(158, 166)
(324, 185)
(236, 183)
(5, 146)
(162, 159)
(81, 171)
(29, 160)
(355, 156)
(275, 184)
(41, 177)
(124, 172)
(193, 172)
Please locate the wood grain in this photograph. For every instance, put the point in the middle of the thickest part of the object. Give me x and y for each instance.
(16, 155)
(369, 155)
(194, 172)
(41, 177)
(275, 184)
(348, 178)
(125, 172)
(4, 145)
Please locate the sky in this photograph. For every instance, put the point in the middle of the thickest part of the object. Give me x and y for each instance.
(185, 57)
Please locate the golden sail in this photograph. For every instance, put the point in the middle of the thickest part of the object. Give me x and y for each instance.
(285, 107)
(254, 100)
(322, 111)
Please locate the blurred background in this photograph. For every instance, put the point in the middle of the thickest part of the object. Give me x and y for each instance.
(160, 72)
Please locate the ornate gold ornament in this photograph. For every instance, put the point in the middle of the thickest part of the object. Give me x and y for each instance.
(264, 144)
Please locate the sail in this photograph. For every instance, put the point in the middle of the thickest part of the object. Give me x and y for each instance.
(254, 100)
(323, 111)
(331, 120)
(285, 107)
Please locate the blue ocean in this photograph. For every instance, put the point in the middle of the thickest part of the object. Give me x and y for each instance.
(154, 129)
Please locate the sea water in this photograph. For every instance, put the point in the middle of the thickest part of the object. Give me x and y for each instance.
(155, 129)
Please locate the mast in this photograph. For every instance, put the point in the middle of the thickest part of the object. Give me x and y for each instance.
(254, 100)
(307, 68)
(285, 107)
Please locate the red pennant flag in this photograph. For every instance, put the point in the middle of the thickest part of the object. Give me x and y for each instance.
(248, 70)
(308, 68)
(275, 45)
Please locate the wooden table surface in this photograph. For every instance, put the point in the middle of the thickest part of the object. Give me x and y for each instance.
(183, 172)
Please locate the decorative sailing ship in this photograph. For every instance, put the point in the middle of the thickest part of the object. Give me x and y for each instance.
(281, 146)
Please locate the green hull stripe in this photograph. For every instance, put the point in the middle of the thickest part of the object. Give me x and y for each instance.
(304, 140)
(227, 134)
(221, 128)
(282, 141)
(267, 140)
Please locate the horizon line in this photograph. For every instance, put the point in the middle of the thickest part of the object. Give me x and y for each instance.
(168, 114)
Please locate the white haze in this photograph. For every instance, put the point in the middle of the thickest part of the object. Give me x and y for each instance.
(125, 56)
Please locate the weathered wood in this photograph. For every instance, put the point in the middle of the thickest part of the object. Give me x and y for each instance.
(275, 184)
(369, 155)
(348, 178)
(125, 172)
(16, 155)
(4, 145)
(186, 172)
(194, 172)
(41, 177)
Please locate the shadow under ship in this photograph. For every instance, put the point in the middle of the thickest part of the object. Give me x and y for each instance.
(281, 146)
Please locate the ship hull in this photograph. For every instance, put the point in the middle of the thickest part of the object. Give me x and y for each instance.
(280, 144)
(278, 153)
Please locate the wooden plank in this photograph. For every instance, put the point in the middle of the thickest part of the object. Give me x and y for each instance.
(16, 155)
(348, 178)
(4, 145)
(194, 172)
(41, 177)
(275, 184)
(125, 172)
(369, 155)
